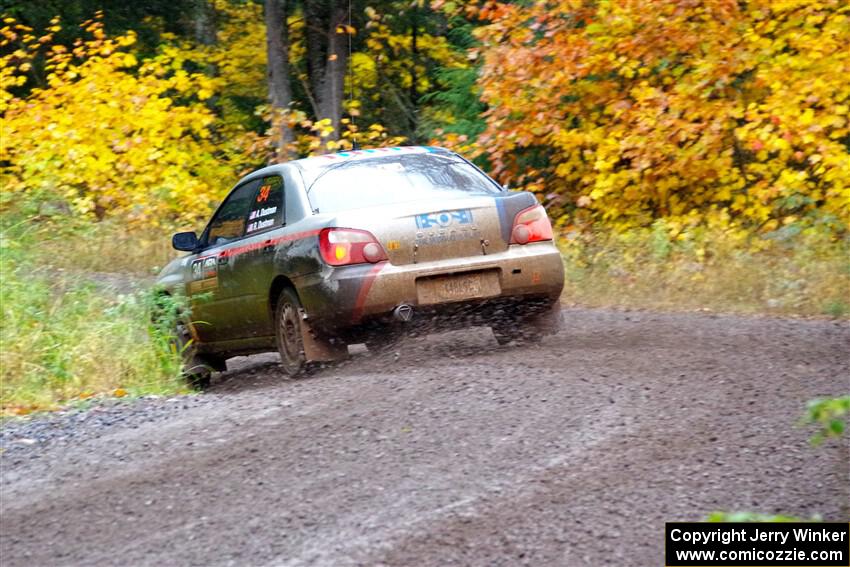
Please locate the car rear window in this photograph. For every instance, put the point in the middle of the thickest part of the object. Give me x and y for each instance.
(393, 179)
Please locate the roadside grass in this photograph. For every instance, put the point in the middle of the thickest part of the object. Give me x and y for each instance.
(65, 338)
(806, 274)
(104, 247)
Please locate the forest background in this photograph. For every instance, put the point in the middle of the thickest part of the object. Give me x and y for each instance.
(692, 154)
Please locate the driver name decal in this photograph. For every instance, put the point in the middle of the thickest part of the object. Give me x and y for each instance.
(259, 225)
(264, 212)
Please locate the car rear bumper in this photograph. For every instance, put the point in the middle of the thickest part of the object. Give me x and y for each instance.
(337, 298)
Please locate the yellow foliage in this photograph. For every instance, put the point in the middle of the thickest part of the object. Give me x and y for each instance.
(392, 55)
(140, 140)
(109, 134)
(312, 137)
(237, 61)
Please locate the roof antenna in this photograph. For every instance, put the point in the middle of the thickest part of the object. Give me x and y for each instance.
(355, 145)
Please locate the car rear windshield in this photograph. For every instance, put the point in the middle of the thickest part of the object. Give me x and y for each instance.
(389, 180)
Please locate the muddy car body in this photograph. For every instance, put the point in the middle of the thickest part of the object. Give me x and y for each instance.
(308, 256)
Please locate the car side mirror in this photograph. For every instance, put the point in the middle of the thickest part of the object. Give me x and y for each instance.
(184, 241)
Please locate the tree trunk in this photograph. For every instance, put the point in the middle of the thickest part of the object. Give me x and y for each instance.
(204, 22)
(204, 25)
(327, 57)
(280, 90)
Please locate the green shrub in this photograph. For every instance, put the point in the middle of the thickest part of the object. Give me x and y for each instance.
(828, 415)
(722, 517)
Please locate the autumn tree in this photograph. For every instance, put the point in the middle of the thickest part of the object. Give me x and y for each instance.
(635, 110)
(147, 130)
(412, 54)
(109, 134)
(398, 51)
(326, 31)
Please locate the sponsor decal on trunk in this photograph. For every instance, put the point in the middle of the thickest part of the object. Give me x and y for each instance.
(445, 226)
(443, 235)
(444, 219)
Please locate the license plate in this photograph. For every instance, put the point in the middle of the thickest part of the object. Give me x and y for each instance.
(457, 287)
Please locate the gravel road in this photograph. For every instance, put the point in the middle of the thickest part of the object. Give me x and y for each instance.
(451, 452)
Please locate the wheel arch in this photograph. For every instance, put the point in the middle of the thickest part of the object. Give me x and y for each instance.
(280, 283)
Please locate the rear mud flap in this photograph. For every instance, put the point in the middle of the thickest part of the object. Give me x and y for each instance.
(318, 348)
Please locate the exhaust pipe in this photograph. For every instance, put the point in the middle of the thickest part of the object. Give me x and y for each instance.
(403, 313)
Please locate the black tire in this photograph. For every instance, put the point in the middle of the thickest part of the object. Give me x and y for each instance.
(197, 369)
(199, 381)
(290, 343)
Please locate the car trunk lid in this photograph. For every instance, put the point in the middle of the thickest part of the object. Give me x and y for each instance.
(433, 230)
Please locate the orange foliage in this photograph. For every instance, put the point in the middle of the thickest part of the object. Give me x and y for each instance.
(628, 111)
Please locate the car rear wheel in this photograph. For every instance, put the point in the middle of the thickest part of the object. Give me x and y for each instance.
(290, 343)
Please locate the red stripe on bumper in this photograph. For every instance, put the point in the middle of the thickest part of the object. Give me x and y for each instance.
(368, 280)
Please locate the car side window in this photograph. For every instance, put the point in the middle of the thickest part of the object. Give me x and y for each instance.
(229, 222)
(267, 210)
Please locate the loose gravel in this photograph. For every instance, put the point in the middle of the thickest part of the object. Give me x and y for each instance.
(449, 451)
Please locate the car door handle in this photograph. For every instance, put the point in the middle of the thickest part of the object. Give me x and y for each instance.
(222, 260)
(268, 247)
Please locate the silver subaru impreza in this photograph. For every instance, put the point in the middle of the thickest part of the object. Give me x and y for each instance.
(309, 256)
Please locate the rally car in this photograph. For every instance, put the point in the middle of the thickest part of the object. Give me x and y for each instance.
(309, 256)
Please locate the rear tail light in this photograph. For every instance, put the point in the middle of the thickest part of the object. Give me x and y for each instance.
(344, 246)
(531, 225)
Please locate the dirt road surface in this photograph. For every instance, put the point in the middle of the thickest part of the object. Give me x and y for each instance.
(452, 452)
